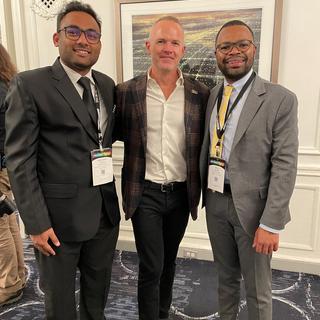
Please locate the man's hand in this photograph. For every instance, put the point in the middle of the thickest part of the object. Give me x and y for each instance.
(40, 241)
(265, 242)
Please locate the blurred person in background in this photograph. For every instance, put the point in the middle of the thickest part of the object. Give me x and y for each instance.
(12, 272)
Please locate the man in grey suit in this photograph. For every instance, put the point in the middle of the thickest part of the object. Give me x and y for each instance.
(59, 123)
(248, 167)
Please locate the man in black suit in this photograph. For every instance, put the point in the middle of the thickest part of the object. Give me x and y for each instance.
(54, 141)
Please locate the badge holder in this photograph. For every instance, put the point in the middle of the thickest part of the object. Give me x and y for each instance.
(102, 169)
(101, 159)
(217, 170)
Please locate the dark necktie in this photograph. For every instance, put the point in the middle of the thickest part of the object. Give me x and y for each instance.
(88, 98)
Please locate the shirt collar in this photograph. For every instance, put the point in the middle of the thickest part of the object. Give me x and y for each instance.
(75, 76)
(238, 85)
(179, 82)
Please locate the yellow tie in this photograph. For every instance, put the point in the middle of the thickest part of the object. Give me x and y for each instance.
(222, 116)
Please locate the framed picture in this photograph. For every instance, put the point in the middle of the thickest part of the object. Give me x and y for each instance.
(201, 20)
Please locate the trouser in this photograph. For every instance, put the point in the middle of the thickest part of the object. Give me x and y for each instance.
(12, 272)
(94, 259)
(159, 225)
(233, 252)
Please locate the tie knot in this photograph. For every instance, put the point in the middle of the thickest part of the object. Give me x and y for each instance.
(85, 83)
(227, 90)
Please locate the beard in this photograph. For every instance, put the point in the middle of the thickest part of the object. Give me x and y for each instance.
(234, 74)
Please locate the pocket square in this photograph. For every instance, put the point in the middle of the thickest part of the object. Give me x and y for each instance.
(194, 91)
(114, 108)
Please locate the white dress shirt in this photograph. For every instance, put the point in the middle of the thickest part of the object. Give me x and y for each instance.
(74, 78)
(166, 140)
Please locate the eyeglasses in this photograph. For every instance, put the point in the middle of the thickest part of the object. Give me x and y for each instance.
(74, 33)
(242, 45)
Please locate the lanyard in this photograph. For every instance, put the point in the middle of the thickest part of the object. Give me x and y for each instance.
(97, 105)
(220, 131)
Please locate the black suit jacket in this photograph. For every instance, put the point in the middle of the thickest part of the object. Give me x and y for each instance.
(49, 138)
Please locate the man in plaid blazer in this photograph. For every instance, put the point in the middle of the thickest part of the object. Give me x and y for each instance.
(160, 118)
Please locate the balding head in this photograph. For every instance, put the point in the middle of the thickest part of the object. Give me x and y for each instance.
(166, 44)
(166, 18)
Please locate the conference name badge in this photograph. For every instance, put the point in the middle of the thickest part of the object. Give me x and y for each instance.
(102, 168)
(216, 174)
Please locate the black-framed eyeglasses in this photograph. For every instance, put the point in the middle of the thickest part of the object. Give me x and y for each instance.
(242, 45)
(74, 33)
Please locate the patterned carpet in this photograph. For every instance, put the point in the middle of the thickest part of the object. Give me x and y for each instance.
(296, 296)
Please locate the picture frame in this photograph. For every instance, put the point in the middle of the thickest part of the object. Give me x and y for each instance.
(3, 34)
(201, 20)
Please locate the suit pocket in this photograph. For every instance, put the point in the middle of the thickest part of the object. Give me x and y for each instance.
(59, 190)
(263, 192)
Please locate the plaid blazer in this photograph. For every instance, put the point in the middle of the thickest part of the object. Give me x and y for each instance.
(131, 128)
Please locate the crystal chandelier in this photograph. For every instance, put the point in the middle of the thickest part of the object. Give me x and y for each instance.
(47, 8)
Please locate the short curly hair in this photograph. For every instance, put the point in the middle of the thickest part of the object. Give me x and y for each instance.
(77, 6)
(234, 23)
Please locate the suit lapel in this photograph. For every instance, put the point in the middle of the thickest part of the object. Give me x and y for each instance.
(211, 103)
(188, 93)
(68, 91)
(250, 108)
(139, 93)
(104, 91)
(206, 138)
(106, 96)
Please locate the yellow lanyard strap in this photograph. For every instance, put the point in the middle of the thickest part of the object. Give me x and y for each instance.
(216, 149)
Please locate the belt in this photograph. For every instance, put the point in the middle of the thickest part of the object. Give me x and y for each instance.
(227, 189)
(164, 187)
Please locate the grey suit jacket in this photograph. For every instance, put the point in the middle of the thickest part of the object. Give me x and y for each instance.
(49, 138)
(263, 159)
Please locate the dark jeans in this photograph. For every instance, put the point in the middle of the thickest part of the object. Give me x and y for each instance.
(58, 273)
(159, 225)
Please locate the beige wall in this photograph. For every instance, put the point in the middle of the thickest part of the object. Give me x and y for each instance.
(298, 70)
